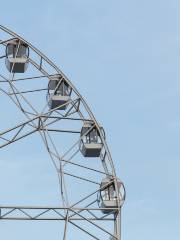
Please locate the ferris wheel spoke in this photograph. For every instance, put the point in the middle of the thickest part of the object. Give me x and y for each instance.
(81, 178)
(66, 225)
(71, 157)
(90, 195)
(62, 117)
(92, 223)
(11, 86)
(17, 139)
(4, 42)
(51, 111)
(45, 141)
(29, 91)
(60, 170)
(30, 78)
(16, 130)
(14, 88)
(81, 166)
(87, 232)
(19, 125)
(1, 57)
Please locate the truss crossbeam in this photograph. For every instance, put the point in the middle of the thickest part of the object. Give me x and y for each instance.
(49, 213)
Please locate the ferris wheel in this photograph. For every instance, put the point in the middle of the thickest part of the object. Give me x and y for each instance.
(90, 193)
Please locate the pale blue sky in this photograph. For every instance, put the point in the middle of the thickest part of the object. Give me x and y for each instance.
(123, 56)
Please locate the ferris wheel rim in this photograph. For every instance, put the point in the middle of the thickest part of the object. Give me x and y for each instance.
(57, 69)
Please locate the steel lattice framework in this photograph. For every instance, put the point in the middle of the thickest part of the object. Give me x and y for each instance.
(52, 124)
